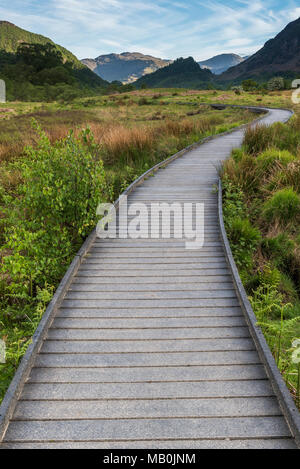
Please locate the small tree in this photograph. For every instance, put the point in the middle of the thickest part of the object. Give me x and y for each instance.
(276, 83)
(249, 85)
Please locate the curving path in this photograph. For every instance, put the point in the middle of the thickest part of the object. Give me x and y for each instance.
(150, 348)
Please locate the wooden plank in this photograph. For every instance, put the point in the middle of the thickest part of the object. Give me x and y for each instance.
(74, 410)
(144, 374)
(103, 430)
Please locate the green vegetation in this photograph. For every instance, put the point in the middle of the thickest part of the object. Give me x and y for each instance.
(43, 222)
(36, 69)
(183, 73)
(39, 72)
(249, 85)
(12, 36)
(262, 216)
(50, 191)
(276, 83)
(283, 206)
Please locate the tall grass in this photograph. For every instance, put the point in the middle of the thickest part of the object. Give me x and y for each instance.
(262, 195)
(284, 137)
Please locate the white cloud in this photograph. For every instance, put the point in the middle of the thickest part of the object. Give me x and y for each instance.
(200, 28)
(294, 14)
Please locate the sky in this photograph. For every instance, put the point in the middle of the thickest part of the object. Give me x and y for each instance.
(163, 28)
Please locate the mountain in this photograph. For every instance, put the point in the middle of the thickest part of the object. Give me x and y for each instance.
(221, 63)
(12, 37)
(183, 73)
(279, 56)
(126, 67)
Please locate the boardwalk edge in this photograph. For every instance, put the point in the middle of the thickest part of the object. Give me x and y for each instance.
(284, 397)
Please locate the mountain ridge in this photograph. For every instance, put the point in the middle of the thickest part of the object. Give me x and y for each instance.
(280, 55)
(182, 73)
(220, 63)
(126, 67)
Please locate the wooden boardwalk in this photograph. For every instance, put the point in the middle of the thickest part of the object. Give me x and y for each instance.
(150, 348)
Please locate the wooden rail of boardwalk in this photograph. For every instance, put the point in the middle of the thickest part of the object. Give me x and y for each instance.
(149, 345)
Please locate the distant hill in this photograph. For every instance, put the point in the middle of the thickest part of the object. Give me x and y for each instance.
(279, 56)
(221, 63)
(31, 64)
(126, 67)
(11, 36)
(183, 73)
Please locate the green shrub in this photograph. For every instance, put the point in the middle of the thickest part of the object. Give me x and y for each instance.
(276, 83)
(143, 102)
(233, 201)
(269, 275)
(279, 249)
(244, 240)
(288, 289)
(54, 211)
(283, 206)
(269, 158)
(237, 154)
(266, 302)
(249, 85)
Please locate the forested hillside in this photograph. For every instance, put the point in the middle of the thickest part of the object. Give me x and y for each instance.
(36, 69)
(183, 73)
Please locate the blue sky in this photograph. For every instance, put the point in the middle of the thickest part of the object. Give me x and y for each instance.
(163, 28)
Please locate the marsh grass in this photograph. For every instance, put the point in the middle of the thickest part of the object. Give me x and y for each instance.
(262, 194)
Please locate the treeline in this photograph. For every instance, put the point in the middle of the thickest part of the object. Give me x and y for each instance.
(39, 72)
(274, 84)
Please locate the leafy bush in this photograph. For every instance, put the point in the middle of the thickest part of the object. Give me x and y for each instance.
(243, 236)
(46, 220)
(283, 206)
(233, 201)
(244, 240)
(276, 83)
(249, 85)
(55, 210)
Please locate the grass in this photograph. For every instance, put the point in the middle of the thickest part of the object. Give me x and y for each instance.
(262, 217)
(48, 192)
